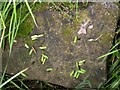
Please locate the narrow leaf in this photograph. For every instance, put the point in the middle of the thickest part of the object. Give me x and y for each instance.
(3, 84)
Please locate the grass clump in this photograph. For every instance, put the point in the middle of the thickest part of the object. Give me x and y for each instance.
(113, 64)
(10, 21)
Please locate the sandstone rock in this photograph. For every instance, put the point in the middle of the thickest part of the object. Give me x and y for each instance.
(63, 52)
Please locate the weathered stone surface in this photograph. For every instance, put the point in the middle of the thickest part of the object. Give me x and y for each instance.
(0, 60)
(59, 31)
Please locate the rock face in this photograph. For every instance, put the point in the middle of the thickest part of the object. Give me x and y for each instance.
(67, 41)
(0, 61)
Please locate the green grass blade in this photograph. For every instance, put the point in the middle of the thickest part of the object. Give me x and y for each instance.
(114, 65)
(15, 84)
(31, 13)
(14, 25)
(5, 9)
(0, 29)
(18, 23)
(4, 73)
(3, 84)
(24, 75)
(1, 5)
(23, 84)
(76, 5)
(26, 14)
(11, 40)
(115, 83)
(108, 54)
(3, 31)
(118, 43)
(10, 28)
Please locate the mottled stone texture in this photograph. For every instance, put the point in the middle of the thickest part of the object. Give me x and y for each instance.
(0, 60)
(59, 31)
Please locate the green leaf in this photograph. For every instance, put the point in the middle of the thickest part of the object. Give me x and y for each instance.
(81, 62)
(75, 74)
(26, 45)
(71, 73)
(78, 74)
(49, 69)
(77, 65)
(34, 37)
(30, 52)
(82, 71)
(75, 39)
(44, 58)
(43, 47)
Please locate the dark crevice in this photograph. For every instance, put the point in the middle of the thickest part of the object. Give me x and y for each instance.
(110, 59)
